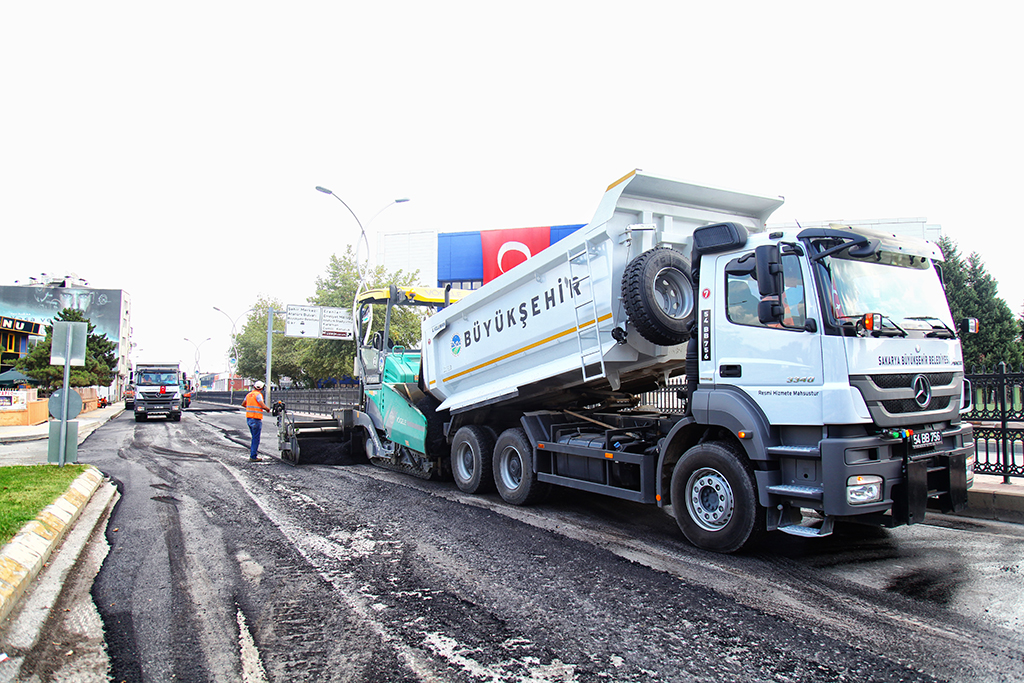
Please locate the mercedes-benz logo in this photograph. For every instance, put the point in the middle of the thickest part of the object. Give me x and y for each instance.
(922, 390)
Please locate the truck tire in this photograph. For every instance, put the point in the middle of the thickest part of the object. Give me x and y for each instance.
(472, 459)
(714, 498)
(657, 293)
(514, 475)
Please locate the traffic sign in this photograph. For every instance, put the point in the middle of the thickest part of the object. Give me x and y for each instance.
(302, 321)
(318, 322)
(56, 404)
(336, 323)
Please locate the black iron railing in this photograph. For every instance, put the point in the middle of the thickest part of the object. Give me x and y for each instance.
(998, 419)
(668, 399)
(997, 413)
(312, 401)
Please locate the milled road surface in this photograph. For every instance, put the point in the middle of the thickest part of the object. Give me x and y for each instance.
(222, 569)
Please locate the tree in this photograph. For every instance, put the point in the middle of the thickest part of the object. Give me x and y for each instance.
(100, 358)
(328, 359)
(309, 362)
(1020, 321)
(251, 344)
(972, 293)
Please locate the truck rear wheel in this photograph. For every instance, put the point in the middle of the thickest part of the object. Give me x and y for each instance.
(657, 293)
(714, 498)
(472, 459)
(514, 475)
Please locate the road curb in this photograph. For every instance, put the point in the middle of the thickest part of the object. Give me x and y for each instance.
(988, 501)
(23, 558)
(87, 425)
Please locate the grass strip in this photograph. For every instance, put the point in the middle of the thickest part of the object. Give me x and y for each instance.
(26, 489)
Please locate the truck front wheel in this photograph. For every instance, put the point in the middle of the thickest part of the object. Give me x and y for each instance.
(513, 469)
(472, 464)
(714, 499)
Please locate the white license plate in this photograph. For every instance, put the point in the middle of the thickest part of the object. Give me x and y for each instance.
(926, 439)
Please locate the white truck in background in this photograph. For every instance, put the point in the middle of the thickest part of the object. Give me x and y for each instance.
(824, 375)
(158, 391)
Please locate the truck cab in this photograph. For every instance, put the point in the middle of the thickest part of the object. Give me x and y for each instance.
(158, 391)
(832, 352)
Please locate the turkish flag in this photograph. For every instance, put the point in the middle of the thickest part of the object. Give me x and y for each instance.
(503, 250)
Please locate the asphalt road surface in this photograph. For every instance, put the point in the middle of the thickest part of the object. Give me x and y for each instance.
(221, 569)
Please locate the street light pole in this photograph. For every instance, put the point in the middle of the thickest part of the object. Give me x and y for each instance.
(234, 351)
(195, 368)
(363, 239)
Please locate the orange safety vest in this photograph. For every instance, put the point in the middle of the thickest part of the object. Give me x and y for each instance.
(254, 405)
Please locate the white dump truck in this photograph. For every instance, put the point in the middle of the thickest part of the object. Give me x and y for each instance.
(157, 391)
(824, 376)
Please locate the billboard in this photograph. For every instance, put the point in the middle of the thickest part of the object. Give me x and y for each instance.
(39, 304)
(484, 255)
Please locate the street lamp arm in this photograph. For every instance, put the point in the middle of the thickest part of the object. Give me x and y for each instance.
(358, 222)
(234, 344)
(386, 206)
(363, 240)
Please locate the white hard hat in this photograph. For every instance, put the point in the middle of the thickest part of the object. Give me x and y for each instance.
(258, 385)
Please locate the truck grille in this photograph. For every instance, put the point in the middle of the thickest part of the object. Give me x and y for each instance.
(904, 405)
(906, 379)
(903, 400)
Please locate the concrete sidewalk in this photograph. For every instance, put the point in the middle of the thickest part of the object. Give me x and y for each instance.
(87, 424)
(48, 547)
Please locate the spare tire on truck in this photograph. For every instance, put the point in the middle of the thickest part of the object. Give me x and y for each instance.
(658, 295)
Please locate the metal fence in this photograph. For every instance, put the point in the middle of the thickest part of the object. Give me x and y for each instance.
(667, 399)
(997, 415)
(998, 419)
(312, 401)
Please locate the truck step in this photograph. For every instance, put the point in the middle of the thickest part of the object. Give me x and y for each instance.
(809, 531)
(794, 491)
(795, 451)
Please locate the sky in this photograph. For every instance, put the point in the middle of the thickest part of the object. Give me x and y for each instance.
(172, 150)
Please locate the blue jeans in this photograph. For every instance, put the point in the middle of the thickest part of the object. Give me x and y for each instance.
(255, 428)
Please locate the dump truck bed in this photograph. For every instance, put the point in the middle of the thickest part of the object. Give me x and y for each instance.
(556, 323)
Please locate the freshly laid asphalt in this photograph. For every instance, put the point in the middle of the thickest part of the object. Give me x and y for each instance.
(57, 537)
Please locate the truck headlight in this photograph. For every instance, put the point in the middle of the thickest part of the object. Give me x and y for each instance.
(971, 459)
(861, 490)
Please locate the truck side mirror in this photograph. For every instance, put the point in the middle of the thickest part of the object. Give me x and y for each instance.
(768, 271)
(969, 326)
(769, 311)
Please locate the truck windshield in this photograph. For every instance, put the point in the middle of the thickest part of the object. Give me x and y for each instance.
(157, 378)
(903, 288)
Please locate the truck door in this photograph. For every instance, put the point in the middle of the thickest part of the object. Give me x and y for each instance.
(779, 366)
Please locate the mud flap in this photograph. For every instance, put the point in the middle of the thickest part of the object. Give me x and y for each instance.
(910, 499)
(957, 471)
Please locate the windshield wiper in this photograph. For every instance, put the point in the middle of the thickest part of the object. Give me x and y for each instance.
(871, 323)
(940, 331)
